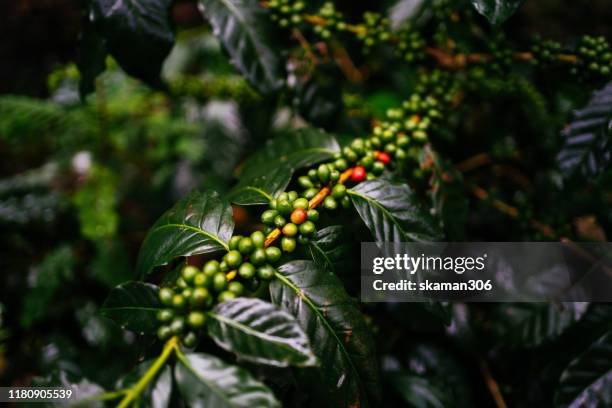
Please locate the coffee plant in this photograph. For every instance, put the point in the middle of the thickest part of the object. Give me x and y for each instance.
(410, 121)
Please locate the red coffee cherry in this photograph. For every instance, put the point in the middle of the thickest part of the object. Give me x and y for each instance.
(383, 157)
(358, 174)
(298, 216)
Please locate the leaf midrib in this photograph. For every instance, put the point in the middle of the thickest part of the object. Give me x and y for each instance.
(253, 332)
(196, 229)
(311, 305)
(380, 206)
(210, 385)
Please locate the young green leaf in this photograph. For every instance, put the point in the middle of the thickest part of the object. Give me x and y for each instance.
(497, 11)
(137, 33)
(391, 212)
(587, 380)
(339, 336)
(133, 306)
(268, 172)
(244, 29)
(206, 381)
(259, 332)
(199, 223)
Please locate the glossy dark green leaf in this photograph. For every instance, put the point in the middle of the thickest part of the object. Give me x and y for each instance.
(199, 223)
(348, 374)
(137, 33)
(587, 380)
(260, 187)
(391, 211)
(206, 381)
(133, 306)
(260, 332)
(268, 171)
(587, 148)
(329, 248)
(244, 29)
(157, 393)
(532, 324)
(416, 391)
(497, 11)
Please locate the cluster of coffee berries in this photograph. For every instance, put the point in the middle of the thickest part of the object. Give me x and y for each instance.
(412, 121)
(195, 291)
(290, 214)
(594, 58)
(408, 43)
(333, 21)
(441, 85)
(286, 12)
(545, 51)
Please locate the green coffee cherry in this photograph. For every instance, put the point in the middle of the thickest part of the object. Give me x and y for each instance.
(312, 175)
(378, 167)
(265, 272)
(225, 296)
(290, 229)
(233, 259)
(201, 280)
(166, 295)
(211, 267)
(258, 239)
(234, 241)
(310, 193)
(267, 217)
(330, 203)
(313, 215)
(187, 293)
(258, 257)
(164, 332)
(284, 207)
(345, 202)
(307, 228)
(189, 272)
(279, 221)
(341, 164)
(246, 246)
(288, 244)
(300, 203)
(273, 254)
(180, 282)
(196, 319)
(179, 301)
(349, 154)
(323, 173)
(200, 297)
(292, 196)
(190, 339)
(177, 325)
(305, 182)
(219, 282)
(246, 270)
(303, 239)
(223, 267)
(165, 315)
(236, 288)
(338, 191)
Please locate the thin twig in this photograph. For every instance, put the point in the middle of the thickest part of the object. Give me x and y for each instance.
(491, 384)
